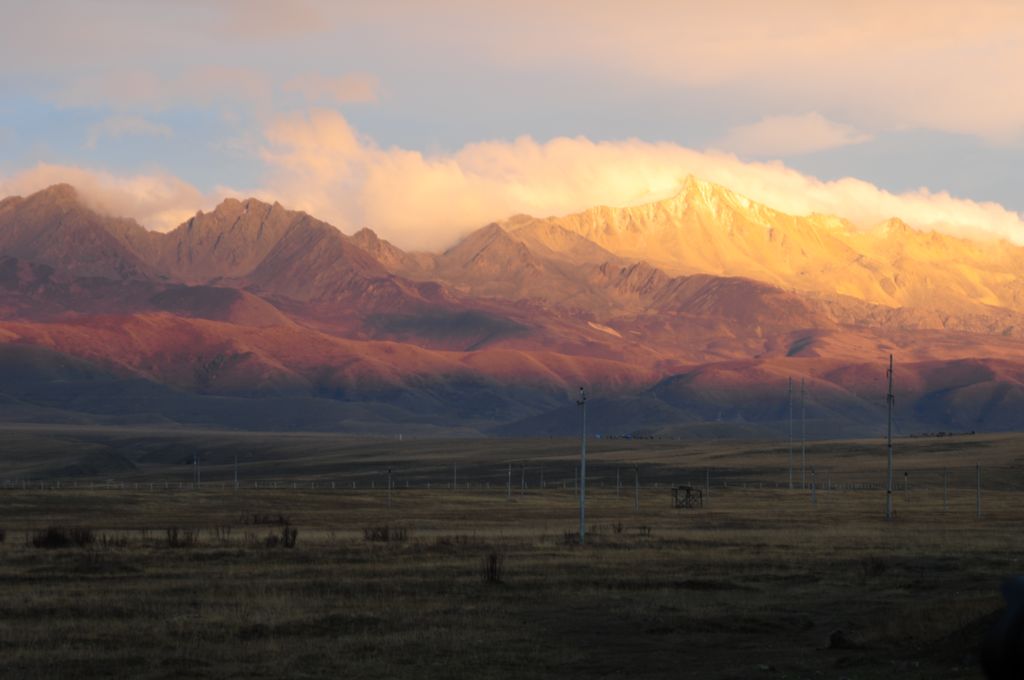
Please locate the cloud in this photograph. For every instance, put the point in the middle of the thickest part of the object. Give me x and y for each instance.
(157, 200)
(124, 126)
(354, 87)
(780, 136)
(319, 163)
(884, 65)
(880, 65)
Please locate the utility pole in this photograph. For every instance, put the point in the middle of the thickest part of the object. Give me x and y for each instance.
(389, 487)
(945, 489)
(618, 481)
(508, 488)
(455, 476)
(814, 488)
(791, 433)
(803, 437)
(522, 482)
(636, 484)
(582, 403)
(978, 499)
(890, 400)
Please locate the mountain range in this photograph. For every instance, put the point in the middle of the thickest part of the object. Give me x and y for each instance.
(683, 317)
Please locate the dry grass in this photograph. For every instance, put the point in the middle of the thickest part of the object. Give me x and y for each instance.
(485, 586)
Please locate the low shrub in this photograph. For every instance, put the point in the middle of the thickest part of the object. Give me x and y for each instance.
(113, 540)
(385, 534)
(492, 568)
(287, 538)
(181, 538)
(63, 537)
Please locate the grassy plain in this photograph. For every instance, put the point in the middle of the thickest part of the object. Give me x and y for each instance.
(755, 584)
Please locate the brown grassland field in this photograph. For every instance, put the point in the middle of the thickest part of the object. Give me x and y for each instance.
(162, 580)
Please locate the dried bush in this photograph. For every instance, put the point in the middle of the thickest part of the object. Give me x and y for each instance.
(181, 538)
(385, 534)
(286, 539)
(222, 533)
(455, 539)
(113, 540)
(492, 568)
(63, 537)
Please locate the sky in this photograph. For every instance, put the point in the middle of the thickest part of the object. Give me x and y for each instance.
(425, 120)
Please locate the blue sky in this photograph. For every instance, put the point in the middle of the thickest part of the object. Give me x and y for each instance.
(457, 113)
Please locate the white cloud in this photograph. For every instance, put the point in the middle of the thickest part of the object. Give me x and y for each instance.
(125, 126)
(781, 136)
(156, 200)
(317, 162)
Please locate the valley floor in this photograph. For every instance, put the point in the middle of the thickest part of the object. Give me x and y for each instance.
(173, 581)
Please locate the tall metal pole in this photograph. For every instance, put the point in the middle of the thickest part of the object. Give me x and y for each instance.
(814, 488)
(636, 486)
(582, 403)
(790, 433)
(508, 489)
(803, 438)
(890, 399)
(618, 481)
(978, 499)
